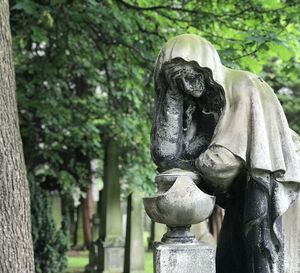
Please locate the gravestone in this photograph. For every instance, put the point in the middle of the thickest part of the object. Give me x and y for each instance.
(134, 247)
(111, 245)
(79, 228)
(56, 210)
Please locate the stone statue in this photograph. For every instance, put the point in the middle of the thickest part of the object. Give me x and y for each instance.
(228, 127)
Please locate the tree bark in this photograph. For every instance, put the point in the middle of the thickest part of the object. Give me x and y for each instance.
(16, 250)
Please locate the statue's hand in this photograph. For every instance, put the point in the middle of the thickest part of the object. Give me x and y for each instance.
(172, 74)
(184, 77)
(191, 81)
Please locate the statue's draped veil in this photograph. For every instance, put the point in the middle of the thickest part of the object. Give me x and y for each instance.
(253, 126)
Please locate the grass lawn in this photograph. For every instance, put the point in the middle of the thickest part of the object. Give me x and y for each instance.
(77, 260)
(148, 262)
(77, 263)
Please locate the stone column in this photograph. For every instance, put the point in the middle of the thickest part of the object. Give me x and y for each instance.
(179, 203)
(134, 248)
(111, 246)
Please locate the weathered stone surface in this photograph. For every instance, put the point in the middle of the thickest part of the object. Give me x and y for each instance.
(184, 258)
(113, 258)
(111, 247)
(79, 231)
(56, 210)
(228, 127)
(134, 248)
(181, 203)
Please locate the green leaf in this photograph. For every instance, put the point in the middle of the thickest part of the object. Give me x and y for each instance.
(27, 6)
(39, 34)
(282, 51)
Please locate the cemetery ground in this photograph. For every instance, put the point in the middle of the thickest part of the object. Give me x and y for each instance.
(77, 260)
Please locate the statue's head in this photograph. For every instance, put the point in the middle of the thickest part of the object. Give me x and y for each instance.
(195, 51)
(185, 76)
(191, 64)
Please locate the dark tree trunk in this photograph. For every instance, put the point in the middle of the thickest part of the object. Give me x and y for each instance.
(16, 251)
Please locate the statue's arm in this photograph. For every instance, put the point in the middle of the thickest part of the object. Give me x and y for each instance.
(167, 130)
(218, 167)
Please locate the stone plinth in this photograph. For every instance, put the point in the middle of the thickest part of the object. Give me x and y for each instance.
(112, 254)
(184, 258)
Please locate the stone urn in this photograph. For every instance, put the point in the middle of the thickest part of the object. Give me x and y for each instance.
(178, 203)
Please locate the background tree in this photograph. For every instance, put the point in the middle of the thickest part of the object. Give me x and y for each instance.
(16, 251)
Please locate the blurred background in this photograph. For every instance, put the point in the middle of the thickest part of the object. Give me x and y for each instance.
(84, 72)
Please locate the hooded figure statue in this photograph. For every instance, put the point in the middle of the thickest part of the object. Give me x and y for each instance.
(228, 126)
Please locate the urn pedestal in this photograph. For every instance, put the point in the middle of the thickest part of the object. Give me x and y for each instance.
(179, 203)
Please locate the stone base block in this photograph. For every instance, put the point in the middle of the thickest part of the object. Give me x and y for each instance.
(111, 259)
(184, 258)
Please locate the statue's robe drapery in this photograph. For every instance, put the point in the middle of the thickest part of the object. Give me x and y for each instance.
(252, 160)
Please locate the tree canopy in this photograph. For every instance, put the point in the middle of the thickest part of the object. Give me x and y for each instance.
(84, 71)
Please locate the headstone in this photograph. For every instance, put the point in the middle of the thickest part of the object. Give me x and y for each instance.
(79, 228)
(56, 210)
(96, 226)
(134, 247)
(111, 245)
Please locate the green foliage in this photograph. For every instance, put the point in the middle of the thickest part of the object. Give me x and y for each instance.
(291, 106)
(56, 97)
(50, 244)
